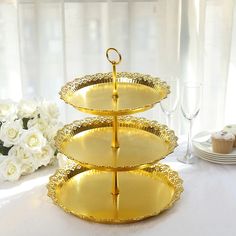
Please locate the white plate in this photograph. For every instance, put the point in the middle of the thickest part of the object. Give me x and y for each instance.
(214, 157)
(203, 149)
(217, 162)
(208, 151)
(201, 141)
(214, 160)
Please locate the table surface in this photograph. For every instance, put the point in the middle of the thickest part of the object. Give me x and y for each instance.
(207, 206)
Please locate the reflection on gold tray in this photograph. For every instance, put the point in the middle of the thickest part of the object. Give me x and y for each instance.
(142, 142)
(93, 93)
(87, 193)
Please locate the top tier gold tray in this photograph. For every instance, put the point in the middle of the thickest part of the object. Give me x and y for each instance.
(114, 176)
(92, 93)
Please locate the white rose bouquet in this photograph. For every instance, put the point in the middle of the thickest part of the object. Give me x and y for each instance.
(27, 133)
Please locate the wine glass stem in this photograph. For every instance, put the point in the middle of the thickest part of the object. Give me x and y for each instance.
(168, 120)
(189, 147)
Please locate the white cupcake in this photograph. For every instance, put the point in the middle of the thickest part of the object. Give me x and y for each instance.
(222, 142)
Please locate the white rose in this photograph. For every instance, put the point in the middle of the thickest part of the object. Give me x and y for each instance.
(49, 111)
(63, 160)
(32, 140)
(20, 153)
(29, 165)
(7, 110)
(26, 158)
(44, 157)
(27, 109)
(13, 151)
(38, 123)
(10, 169)
(51, 131)
(10, 132)
(28, 168)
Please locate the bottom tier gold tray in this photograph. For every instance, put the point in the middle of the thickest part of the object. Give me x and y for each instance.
(87, 193)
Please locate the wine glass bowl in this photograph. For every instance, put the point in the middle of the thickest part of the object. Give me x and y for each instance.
(169, 105)
(190, 100)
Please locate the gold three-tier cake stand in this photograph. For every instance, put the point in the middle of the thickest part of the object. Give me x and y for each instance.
(115, 176)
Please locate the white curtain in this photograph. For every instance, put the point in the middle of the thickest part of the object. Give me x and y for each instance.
(44, 43)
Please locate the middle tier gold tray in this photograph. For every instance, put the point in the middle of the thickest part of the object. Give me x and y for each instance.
(87, 193)
(142, 143)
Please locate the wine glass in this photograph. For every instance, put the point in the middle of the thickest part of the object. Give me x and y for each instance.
(169, 104)
(190, 107)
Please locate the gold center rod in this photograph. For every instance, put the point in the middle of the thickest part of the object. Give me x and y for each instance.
(115, 143)
(114, 81)
(115, 190)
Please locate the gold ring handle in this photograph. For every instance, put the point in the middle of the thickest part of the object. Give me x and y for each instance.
(111, 61)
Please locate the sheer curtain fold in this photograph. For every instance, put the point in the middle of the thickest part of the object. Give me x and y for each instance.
(10, 77)
(44, 44)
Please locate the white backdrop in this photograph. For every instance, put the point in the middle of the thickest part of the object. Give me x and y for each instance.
(44, 43)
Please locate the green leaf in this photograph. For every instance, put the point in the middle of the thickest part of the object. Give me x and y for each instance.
(25, 122)
(4, 150)
(56, 152)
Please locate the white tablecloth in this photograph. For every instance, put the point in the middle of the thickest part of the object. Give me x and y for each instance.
(207, 206)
